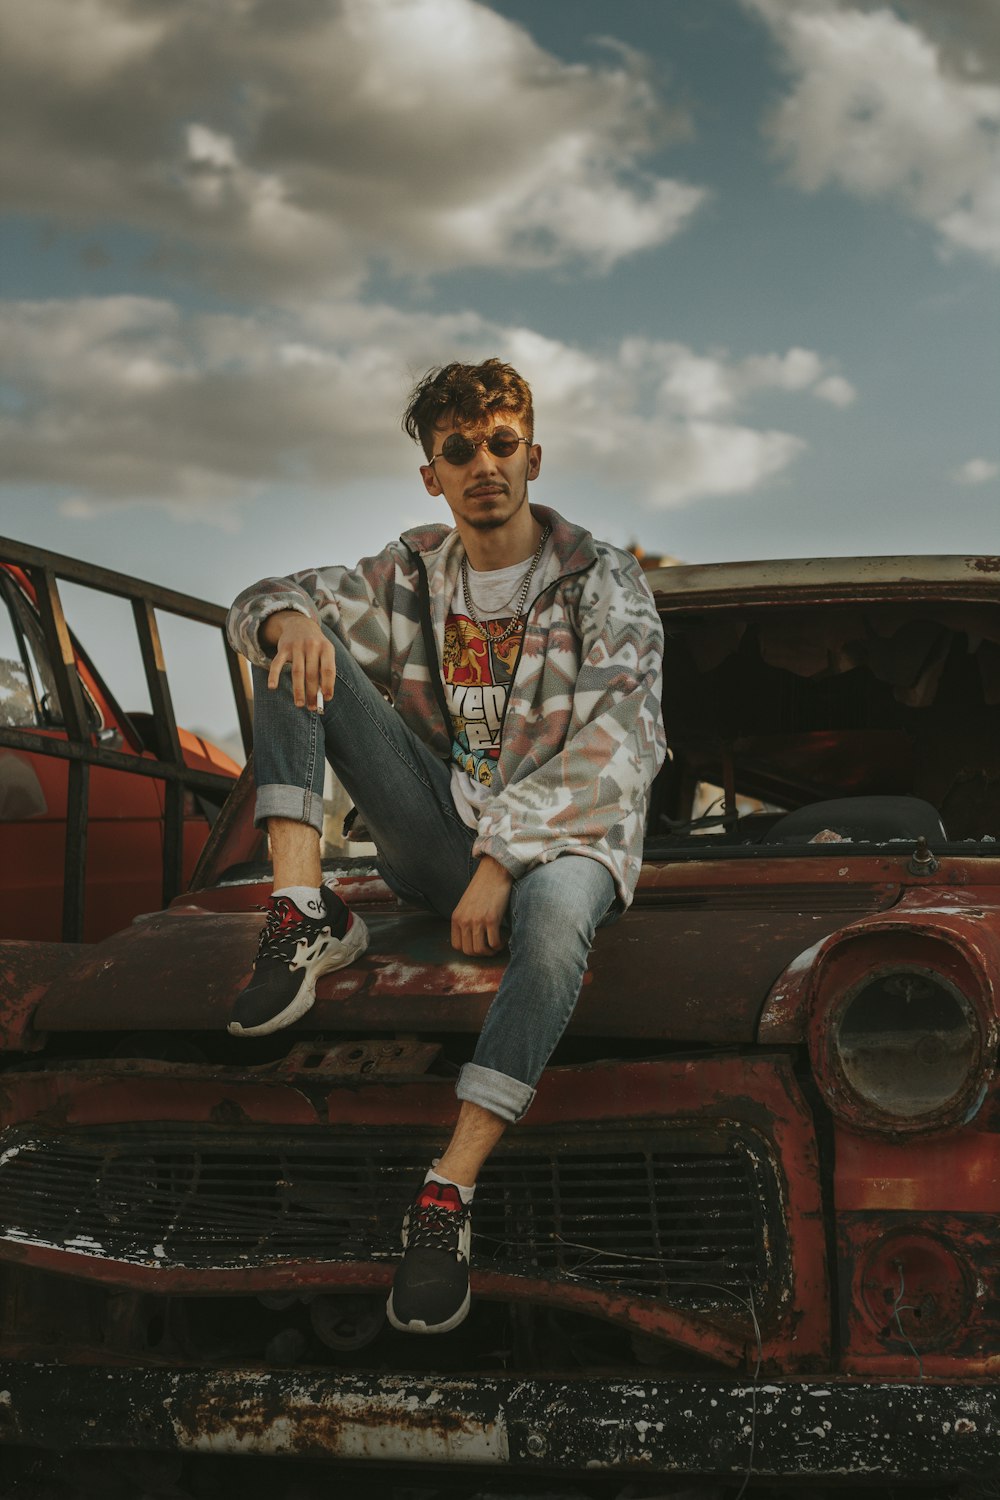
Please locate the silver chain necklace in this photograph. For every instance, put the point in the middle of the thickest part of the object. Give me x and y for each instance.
(522, 597)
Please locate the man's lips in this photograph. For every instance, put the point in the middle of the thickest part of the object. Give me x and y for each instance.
(486, 491)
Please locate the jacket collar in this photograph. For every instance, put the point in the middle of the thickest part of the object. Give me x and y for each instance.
(441, 551)
(572, 547)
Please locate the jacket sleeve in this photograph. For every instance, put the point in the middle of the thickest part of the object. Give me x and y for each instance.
(355, 603)
(593, 792)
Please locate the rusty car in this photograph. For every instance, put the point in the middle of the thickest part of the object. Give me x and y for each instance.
(86, 787)
(749, 1226)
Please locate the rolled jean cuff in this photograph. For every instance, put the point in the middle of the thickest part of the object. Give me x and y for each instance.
(497, 1092)
(289, 802)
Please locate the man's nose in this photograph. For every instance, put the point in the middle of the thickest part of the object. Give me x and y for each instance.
(482, 461)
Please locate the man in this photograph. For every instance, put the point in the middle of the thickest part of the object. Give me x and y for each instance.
(504, 784)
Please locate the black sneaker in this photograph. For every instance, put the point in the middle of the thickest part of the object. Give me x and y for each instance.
(294, 950)
(430, 1293)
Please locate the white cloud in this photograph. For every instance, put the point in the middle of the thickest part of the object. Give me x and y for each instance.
(976, 471)
(285, 148)
(704, 385)
(129, 399)
(880, 106)
(836, 390)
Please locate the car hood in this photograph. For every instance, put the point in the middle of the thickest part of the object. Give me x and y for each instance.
(689, 963)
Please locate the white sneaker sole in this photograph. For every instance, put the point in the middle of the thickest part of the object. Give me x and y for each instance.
(340, 953)
(416, 1325)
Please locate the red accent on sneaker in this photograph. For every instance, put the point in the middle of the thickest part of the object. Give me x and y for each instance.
(288, 911)
(441, 1193)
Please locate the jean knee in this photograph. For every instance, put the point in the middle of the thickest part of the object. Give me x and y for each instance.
(558, 915)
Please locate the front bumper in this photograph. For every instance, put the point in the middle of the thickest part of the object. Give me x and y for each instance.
(699, 1426)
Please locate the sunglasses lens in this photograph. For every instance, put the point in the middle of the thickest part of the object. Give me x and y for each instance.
(457, 449)
(503, 442)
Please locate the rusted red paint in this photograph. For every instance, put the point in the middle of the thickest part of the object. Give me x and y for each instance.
(101, 1098)
(698, 1333)
(726, 942)
(962, 947)
(759, 1092)
(921, 1294)
(733, 967)
(960, 914)
(956, 1172)
(26, 972)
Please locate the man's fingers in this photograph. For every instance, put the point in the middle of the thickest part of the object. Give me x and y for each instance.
(298, 666)
(274, 675)
(463, 939)
(310, 658)
(320, 671)
(328, 671)
(476, 938)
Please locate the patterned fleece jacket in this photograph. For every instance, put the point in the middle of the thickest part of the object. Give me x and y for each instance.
(583, 735)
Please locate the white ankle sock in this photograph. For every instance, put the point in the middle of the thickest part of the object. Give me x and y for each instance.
(306, 897)
(465, 1193)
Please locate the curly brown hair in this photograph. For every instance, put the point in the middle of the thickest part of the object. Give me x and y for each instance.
(471, 392)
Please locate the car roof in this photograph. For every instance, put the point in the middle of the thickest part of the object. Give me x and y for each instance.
(825, 579)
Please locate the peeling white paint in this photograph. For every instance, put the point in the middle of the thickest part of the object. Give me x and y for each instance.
(805, 959)
(942, 911)
(455, 978)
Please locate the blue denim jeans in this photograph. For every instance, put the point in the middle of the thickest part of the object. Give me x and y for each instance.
(403, 793)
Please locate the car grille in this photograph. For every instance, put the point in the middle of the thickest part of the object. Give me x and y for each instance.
(659, 1211)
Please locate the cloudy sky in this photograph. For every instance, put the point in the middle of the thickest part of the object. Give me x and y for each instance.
(746, 252)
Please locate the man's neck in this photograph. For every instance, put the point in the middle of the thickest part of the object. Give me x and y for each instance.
(513, 543)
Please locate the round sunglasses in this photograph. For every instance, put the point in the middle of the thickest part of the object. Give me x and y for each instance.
(458, 449)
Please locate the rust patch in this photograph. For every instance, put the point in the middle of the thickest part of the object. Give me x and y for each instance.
(228, 1112)
(215, 1416)
(27, 969)
(395, 1420)
(986, 564)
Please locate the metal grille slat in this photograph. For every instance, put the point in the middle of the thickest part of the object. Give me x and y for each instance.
(652, 1216)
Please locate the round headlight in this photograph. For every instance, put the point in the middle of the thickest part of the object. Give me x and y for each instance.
(906, 1042)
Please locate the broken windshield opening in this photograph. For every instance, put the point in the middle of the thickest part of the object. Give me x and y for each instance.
(884, 720)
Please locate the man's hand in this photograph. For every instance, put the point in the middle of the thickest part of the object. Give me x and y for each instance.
(300, 644)
(475, 922)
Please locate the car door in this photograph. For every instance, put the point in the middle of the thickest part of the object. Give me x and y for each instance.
(124, 837)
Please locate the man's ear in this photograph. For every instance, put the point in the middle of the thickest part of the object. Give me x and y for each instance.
(534, 460)
(428, 474)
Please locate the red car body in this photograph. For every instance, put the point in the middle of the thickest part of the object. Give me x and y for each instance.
(126, 814)
(749, 1225)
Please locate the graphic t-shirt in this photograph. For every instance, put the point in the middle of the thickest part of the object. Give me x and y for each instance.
(478, 669)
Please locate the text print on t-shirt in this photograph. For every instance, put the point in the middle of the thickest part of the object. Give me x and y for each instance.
(477, 676)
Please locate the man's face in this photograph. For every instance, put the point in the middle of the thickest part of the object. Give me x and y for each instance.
(488, 491)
